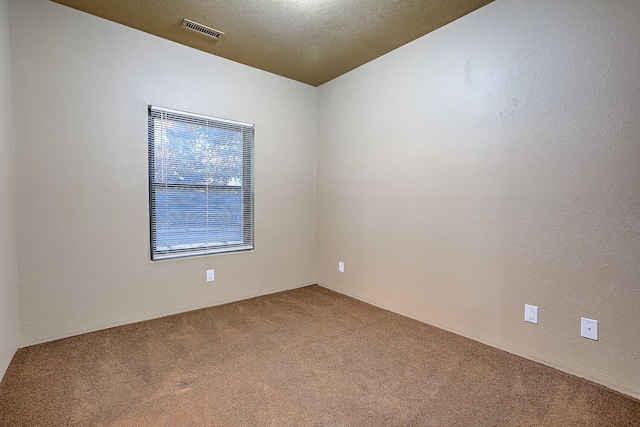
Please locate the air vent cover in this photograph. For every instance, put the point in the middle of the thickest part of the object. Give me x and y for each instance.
(203, 29)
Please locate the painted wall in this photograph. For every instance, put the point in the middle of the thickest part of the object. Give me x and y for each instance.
(8, 246)
(81, 89)
(493, 163)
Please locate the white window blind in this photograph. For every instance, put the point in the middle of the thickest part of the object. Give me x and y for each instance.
(200, 184)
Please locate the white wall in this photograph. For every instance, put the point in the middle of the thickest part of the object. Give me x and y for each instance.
(492, 163)
(81, 89)
(8, 248)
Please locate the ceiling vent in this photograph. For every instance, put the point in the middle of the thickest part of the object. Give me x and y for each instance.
(203, 29)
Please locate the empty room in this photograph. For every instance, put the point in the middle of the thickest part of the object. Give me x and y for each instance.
(319, 212)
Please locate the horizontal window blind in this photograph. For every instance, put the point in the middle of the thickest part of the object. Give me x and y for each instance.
(200, 184)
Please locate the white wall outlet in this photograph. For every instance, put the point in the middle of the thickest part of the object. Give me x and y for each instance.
(589, 328)
(210, 276)
(531, 313)
(341, 267)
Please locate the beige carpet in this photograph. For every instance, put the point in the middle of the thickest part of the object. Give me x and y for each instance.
(307, 357)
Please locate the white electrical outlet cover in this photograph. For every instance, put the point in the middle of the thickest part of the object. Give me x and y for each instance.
(341, 267)
(210, 275)
(589, 328)
(531, 313)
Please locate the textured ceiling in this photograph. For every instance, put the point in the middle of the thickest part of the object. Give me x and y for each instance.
(312, 41)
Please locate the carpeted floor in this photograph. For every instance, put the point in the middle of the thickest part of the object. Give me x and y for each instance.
(306, 357)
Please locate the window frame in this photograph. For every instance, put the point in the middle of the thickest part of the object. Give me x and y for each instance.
(246, 187)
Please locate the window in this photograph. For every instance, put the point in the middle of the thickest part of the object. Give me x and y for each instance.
(200, 184)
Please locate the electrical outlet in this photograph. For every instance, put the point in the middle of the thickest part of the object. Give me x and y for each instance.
(210, 276)
(341, 267)
(589, 328)
(531, 313)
